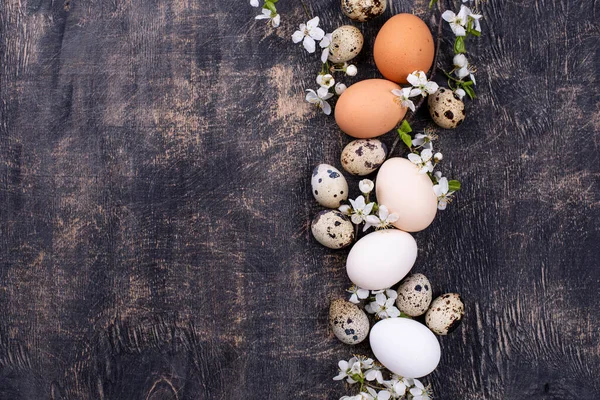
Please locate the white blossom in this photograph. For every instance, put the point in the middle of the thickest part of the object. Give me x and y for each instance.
(396, 386)
(460, 93)
(360, 210)
(438, 156)
(366, 186)
(383, 307)
(424, 140)
(383, 221)
(274, 18)
(374, 374)
(345, 209)
(442, 193)
(475, 18)
(457, 22)
(422, 161)
(319, 98)
(460, 60)
(358, 294)
(403, 97)
(324, 44)
(349, 370)
(351, 70)
(340, 88)
(325, 80)
(463, 72)
(308, 33)
(419, 81)
(254, 3)
(420, 392)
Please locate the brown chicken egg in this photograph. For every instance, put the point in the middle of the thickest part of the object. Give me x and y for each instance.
(404, 44)
(368, 109)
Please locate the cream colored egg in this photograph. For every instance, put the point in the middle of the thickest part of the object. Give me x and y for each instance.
(406, 192)
(346, 43)
(381, 259)
(405, 347)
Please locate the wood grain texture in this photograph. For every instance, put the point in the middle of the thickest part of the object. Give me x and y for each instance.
(155, 204)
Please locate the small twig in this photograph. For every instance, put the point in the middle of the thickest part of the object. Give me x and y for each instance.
(305, 9)
(431, 76)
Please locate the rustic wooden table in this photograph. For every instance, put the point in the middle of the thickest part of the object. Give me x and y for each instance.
(155, 204)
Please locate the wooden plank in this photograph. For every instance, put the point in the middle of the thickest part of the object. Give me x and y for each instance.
(155, 203)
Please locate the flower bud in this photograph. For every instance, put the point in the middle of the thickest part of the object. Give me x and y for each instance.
(339, 88)
(366, 186)
(438, 157)
(351, 70)
(460, 93)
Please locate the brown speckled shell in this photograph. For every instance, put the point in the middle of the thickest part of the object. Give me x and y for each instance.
(446, 109)
(363, 10)
(445, 313)
(362, 157)
(332, 229)
(346, 43)
(349, 323)
(414, 295)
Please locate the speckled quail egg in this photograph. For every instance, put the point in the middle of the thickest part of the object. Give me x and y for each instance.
(349, 323)
(346, 43)
(414, 295)
(363, 10)
(361, 157)
(445, 313)
(332, 229)
(446, 109)
(329, 186)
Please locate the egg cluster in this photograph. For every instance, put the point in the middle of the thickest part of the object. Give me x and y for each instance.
(382, 259)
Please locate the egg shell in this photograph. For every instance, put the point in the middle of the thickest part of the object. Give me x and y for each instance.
(380, 259)
(368, 109)
(403, 45)
(414, 295)
(363, 10)
(405, 347)
(446, 109)
(346, 42)
(362, 157)
(332, 229)
(329, 187)
(349, 323)
(445, 313)
(406, 192)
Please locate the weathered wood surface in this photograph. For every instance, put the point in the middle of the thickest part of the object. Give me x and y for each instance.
(155, 204)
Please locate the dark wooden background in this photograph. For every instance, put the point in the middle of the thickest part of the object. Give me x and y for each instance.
(155, 204)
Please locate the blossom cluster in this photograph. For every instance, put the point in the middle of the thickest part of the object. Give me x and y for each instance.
(463, 24)
(361, 210)
(309, 34)
(373, 386)
(427, 159)
(380, 302)
(269, 12)
(421, 86)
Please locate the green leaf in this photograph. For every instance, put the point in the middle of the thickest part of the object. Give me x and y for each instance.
(270, 6)
(469, 91)
(474, 32)
(407, 139)
(405, 127)
(459, 45)
(453, 185)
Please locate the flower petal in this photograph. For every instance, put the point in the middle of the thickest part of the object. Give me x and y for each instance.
(317, 33)
(448, 16)
(309, 44)
(297, 36)
(326, 107)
